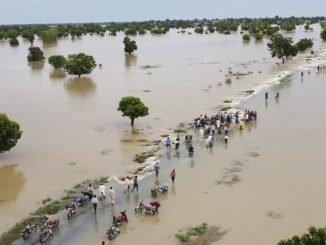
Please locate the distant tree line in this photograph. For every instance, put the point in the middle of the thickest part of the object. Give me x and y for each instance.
(50, 33)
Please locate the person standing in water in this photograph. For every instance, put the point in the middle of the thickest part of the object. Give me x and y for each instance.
(172, 175)
(135, 183)
(266, 95)
(157, 169)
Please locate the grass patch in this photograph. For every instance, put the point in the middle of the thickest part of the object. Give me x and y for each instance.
(13, 234)
(49, 209)
(77, 186)
(46, 200)
(141, 158)
(225, 108)
(102, 180)
(248, 92)
(227, 101)
(192, 232)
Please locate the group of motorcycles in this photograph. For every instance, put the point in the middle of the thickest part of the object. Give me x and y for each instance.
(46, 229)
(47, 225)
(113, 231)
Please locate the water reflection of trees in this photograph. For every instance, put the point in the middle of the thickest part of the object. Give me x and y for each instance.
(12, 182)
(80, 87)
(57, 73)
(130, 60)
(37, 64)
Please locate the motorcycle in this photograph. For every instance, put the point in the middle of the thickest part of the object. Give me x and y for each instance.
(28, 230)
(163, 188)
(49, 224)
(45, 234)
(120, 219)
(148, 209)
(112, 232)
(72, 209)
(82, 199)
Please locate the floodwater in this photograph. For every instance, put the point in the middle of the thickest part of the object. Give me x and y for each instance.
(73, 132)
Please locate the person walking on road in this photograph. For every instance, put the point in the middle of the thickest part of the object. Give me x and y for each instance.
(94, 201)
(168, 143)
(157, 169)
(112, 195)
(135, 183)
(127, 184)
(172, 175)
(90, 191)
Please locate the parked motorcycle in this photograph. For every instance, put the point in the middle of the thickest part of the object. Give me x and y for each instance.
(163, 188)
(72, 209)
(120, 219)
(51, 224)
(28, 230)
(82, 199)
(45, 234)
(142, 207)
(112, 232)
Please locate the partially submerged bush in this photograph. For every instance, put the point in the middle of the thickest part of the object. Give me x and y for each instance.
(185, 236)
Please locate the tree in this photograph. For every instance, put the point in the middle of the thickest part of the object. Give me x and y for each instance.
(12, 33)
(199, 29)
(304, 44)
(281, 47)
(50, 35)
(314, 237)
(35, 54)
(10, 133)
(79, 64)
(323, 34)
(2, 35)
(258, 36)
(14, 42)
(27, 34)
(130, 45)
(132, 107)
(57, 61)
(246, 37)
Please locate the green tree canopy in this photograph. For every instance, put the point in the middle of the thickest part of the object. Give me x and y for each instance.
(304, 44)
(10, 133)
(57, 61)
(35, 54)
(12, 33)
(79, 64)
(132, 107)
(50, 35)
(258, 36)
(246, 37)
(130, 45)
(28, 34)
(314, 237)
(281, 47)
(14, 42)
(323, 34)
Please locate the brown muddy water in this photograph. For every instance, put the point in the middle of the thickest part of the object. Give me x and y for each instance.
(73, 132)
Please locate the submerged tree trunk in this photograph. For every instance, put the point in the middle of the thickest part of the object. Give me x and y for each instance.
(132, 122)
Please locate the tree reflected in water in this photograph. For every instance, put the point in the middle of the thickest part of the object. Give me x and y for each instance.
(80, 87)
(12, 183)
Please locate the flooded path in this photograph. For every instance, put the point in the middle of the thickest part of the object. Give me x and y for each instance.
(72, 130)
(278, 185)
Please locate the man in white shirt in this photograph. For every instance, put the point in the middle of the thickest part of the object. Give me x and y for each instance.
(102, 190)
(94, 201)
(112, 195)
